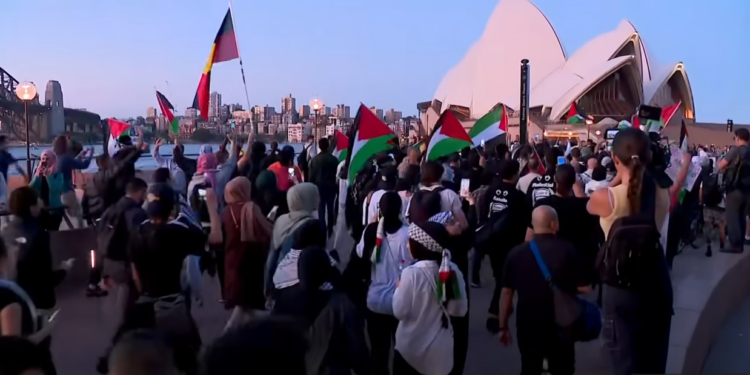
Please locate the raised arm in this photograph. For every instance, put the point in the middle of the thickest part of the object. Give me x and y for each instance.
(246, 156)
(160, 160)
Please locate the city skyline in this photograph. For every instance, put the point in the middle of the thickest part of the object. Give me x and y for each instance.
(382, 63)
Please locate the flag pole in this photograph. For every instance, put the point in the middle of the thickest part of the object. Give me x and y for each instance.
(170, 94)
(242, 67)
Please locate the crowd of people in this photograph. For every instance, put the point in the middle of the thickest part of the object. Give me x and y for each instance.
(561, 226)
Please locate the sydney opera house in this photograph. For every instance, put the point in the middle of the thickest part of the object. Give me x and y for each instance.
(607, 78)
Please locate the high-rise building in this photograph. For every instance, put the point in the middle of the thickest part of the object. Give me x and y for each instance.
(288, 104)
(379, 113)
(214, 105)
(304, 111)
(151, 112)
(294, 133)
(392, 116)
(53, 97)
(343, 112)
(191, 113)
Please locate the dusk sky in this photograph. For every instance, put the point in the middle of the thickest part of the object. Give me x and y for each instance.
(108, 55)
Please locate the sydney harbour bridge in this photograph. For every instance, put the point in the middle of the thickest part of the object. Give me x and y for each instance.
(47, 118)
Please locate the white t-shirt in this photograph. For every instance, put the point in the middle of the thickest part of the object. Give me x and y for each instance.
(525, 181)
(593, 186)
(420, 336)
(449, 200)
(371, 211)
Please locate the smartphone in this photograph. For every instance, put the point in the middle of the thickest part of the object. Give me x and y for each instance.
(481, 143)
(202, 193)
(272, 214)
(53, 316)
(464, 192)
(560, 160)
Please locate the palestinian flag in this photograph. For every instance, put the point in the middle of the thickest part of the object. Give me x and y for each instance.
(340, 143)
(683, 138)
(447, 137)
(574, 115)
(166, 110)
(118, 130)
(666, 115)
(668, 112)
(490, 126)
(368, 136)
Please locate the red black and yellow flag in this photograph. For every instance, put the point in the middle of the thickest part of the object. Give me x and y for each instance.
(223, 49)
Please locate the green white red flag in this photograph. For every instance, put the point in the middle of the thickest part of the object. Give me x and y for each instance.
(341, 144)
(490, 126)
(447, 137)
(368, 136)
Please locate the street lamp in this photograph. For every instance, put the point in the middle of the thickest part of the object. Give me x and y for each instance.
(26, 91)
(316, 105)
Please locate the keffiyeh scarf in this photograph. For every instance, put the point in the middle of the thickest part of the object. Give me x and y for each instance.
(446, 279)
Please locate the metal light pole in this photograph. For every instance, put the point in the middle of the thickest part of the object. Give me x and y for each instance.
(26, 91)
(316, 105)
(524, 102)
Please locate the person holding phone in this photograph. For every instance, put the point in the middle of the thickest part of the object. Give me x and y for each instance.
(287, 174)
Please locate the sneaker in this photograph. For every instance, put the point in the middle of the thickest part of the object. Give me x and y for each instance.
(493, 325)
(95, 291)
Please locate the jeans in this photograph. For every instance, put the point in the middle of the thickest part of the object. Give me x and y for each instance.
(326, 206)
(636, 332)
(737, 202)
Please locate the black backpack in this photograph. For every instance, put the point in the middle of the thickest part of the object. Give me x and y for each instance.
(711, 194)
(632, 244)
(112, 234)
(424, 204)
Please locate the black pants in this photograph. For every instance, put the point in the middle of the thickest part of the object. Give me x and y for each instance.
(737, 203)
(460, 343)
(539, 342)
(381, 329)
(497, 261)
(325, 207)
(401, 367)
(636, 333)
(476, 266)
(218, 251)
(49, 365)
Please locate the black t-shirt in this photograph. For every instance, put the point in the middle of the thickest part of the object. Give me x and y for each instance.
(522, 273)
(577, 225)
(503, 198)
(541, 187)
(158, 253)
(9, 297)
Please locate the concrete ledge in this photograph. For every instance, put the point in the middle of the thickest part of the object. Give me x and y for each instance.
(707, 291)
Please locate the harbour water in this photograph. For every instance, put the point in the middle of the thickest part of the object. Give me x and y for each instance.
(146, 161)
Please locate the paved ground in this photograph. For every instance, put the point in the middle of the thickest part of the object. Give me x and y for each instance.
(723, 358)
(85, 327)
